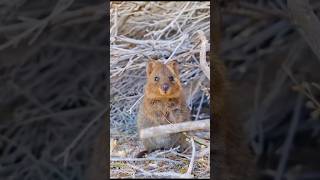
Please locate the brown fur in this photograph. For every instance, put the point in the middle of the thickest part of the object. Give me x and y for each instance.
(159, 107)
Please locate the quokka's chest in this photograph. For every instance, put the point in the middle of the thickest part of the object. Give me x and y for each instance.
(167, 112)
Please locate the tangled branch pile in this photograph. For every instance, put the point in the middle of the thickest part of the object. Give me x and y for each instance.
(160, 30)
(140, 31)
(266, 46)
(51, 84)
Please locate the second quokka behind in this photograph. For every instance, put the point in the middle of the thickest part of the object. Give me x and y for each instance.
(163, 103)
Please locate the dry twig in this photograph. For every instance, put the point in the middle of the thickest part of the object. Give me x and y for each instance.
(175, 128)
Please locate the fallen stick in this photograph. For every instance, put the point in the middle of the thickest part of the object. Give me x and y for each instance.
(114, 159)
(203, 63)
(188, 173)
(175, 128)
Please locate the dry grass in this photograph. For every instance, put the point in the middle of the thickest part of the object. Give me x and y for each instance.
(163, 30)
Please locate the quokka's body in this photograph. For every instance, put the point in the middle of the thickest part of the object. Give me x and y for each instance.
(163, 103)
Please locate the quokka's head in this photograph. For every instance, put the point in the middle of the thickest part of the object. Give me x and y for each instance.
(163, 79)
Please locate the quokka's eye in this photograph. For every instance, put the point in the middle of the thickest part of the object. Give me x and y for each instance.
(156, 78)
(171, 78)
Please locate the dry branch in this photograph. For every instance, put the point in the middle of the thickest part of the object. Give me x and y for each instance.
(144, 159)
(307, 22)
(188, 173)
(289, 139)
(175, 128)
(203, 63)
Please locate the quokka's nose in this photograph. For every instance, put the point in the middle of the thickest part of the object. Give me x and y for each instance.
(165, 87)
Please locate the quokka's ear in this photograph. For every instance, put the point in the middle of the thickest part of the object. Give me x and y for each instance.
(150, 66)
(175, 66)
